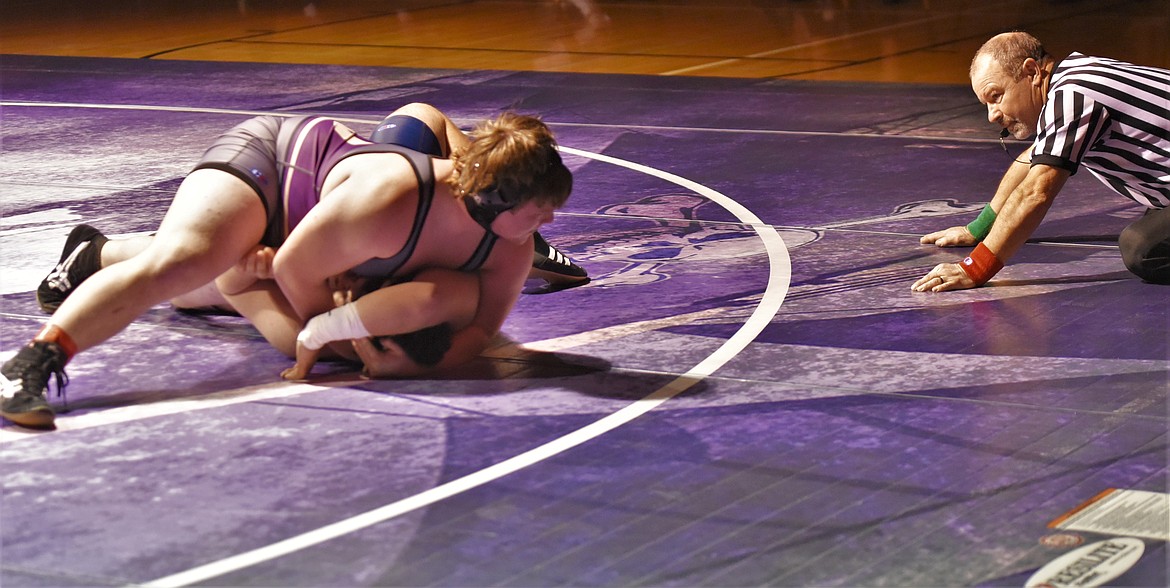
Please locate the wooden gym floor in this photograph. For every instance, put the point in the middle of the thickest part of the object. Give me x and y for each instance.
(926, 41)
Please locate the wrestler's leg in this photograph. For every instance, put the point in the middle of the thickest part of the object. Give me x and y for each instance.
(86, 251)
(90, 253)
(213, 221)
(116, 250)
(206, 296)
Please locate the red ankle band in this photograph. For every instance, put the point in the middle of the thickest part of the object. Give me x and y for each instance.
(58, 335)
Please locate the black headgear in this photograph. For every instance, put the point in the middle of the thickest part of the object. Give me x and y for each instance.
(488, 204)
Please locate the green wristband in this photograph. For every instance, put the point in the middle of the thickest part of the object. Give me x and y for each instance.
(981, 226)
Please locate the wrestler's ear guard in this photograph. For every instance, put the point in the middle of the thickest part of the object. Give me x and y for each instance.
(487, 204)
(495, 199)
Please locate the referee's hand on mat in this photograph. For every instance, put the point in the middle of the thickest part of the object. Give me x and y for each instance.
(952, 237)
(944, 276)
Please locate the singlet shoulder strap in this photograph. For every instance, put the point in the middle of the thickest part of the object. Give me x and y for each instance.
(421, 163)
(481, 253)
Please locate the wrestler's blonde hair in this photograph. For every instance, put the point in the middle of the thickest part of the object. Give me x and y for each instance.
(516, 155)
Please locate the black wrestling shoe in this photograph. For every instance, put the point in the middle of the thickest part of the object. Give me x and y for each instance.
(554, 267)
(25, 379)
(81, 258)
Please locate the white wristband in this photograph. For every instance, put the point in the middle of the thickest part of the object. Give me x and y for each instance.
(341, 323)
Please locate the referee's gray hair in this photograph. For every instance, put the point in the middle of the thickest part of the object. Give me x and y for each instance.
(1008, 51)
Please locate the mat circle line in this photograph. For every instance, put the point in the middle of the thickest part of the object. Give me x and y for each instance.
(779, 279)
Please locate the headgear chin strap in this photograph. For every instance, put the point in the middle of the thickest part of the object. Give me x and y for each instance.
(485, 206)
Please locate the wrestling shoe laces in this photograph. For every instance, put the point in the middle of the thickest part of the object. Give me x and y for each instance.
(80, 259)
(24, 379)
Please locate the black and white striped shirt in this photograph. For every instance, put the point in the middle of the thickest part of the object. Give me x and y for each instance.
(1113, 118)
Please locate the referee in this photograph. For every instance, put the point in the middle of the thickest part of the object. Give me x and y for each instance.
(1108, 116)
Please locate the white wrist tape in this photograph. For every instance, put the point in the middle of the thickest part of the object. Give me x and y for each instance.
(340, 324)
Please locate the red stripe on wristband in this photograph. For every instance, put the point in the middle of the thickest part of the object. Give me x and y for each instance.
(981, 265)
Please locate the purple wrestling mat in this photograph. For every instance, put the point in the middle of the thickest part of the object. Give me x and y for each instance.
(747, 393)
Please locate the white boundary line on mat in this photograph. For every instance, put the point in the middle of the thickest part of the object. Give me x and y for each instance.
(779, 278)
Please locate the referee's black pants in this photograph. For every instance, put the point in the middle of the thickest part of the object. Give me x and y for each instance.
(1145, 246)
